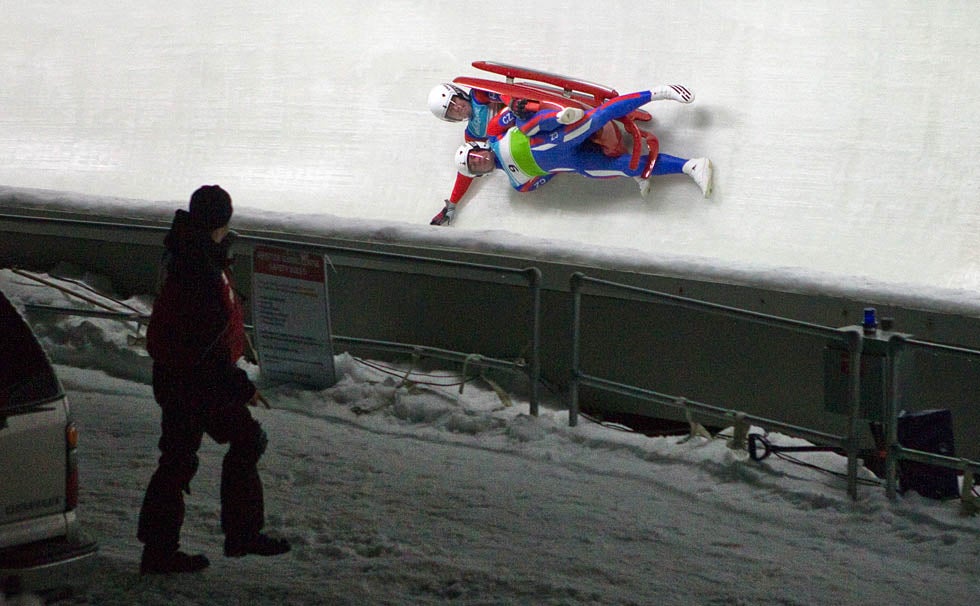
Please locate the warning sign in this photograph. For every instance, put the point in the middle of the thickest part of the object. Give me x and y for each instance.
(291, 316)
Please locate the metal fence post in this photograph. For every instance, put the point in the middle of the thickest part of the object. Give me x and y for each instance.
(856, 346)
(576, 285)
(535, 283)
(895, 345)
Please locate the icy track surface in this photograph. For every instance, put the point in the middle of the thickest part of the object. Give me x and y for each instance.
(845, 135)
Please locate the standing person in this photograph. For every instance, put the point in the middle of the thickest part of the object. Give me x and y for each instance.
(534, 148)
(195, 337)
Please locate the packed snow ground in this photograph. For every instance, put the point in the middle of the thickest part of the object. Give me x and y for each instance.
(396, 492)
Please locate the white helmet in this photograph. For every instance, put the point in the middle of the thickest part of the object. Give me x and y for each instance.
(463, 156)
(441, 96)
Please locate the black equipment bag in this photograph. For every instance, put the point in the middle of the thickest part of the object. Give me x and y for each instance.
(928, 431)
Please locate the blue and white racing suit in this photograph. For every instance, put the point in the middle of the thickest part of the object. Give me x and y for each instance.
(532, 151)
(482, 112)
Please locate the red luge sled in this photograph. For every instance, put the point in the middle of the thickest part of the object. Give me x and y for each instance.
(558, 92)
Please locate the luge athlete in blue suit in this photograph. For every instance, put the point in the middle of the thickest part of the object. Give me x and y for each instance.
(532, 151)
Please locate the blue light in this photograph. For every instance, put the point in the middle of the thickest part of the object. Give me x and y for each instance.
(870, 321)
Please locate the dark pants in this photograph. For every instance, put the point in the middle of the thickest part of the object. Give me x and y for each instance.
(188, 412)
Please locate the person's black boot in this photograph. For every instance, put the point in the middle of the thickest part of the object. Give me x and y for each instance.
(155, 562)
(259, 544)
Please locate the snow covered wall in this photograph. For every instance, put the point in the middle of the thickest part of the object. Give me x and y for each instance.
(844, 135)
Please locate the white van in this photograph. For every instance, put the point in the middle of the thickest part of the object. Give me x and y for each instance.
(42, 549)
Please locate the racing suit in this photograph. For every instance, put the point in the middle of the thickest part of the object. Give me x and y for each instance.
(532, 151)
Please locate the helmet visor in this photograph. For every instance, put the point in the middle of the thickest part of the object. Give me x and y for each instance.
(480, 161)
(458, 109)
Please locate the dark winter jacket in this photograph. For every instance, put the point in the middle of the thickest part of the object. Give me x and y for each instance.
(196, 332)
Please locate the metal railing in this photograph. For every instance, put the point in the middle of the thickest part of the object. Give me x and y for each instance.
(528, 276)
(851, 340)
(895, 452)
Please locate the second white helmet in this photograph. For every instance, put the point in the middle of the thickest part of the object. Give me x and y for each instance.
(441, 96)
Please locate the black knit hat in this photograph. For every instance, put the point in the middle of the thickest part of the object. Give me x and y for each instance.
(210, 207)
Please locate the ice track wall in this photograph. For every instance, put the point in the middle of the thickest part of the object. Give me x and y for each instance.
(713, 360)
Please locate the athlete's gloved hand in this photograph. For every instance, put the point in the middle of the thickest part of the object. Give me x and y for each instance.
(445, 216)
(523, 108)
(570, 115)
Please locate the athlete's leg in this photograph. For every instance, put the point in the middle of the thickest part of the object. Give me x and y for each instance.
(668, 165)
(595, 119)
(589, 160)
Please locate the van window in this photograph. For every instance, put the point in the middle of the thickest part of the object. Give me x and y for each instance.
(26, 376)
